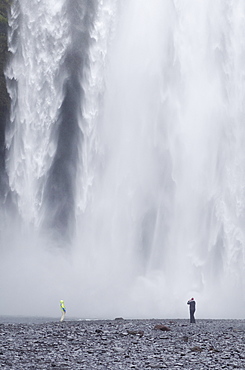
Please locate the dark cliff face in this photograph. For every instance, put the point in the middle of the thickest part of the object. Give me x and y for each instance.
(4, 8)
(60, 190)
(4, 97)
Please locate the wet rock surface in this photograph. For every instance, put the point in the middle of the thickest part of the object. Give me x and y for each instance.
(123, 344)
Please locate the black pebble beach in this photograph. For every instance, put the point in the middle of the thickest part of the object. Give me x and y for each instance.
(123, 344)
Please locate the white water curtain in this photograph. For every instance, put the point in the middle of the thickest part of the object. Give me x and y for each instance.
(159, 187)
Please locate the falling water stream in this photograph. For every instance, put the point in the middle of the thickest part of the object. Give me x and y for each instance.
(125, 158)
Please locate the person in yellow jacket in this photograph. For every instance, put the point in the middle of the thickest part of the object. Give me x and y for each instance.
(63, 309)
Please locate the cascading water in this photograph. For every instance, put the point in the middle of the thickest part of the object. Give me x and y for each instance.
(125, 158)
(38, 40)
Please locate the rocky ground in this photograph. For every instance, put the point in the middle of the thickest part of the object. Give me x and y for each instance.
(123, 344)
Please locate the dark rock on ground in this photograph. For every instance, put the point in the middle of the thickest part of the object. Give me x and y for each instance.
(161, 327)
(140, 333)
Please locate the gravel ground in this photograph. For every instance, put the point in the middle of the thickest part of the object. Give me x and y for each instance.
(123, 344)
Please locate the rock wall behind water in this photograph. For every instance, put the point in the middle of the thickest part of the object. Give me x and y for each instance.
(4, 97)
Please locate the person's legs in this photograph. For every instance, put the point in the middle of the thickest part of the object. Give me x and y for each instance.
(192, 318)
(63, 316)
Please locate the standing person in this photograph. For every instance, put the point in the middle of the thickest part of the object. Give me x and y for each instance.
(192, 305)
(63, 309)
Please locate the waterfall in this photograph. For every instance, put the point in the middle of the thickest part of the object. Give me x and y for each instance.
(125, 157)
(38, 41)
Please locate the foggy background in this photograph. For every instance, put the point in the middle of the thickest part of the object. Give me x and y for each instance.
(124, 159)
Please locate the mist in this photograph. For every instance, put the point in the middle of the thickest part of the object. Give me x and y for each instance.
(125, 159)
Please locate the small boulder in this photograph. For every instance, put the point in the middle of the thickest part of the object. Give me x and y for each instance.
(161, 327)
(140, 333)
(213, 349)
(98, 331)
(196, 349)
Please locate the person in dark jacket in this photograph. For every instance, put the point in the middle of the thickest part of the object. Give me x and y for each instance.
(192, 305)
